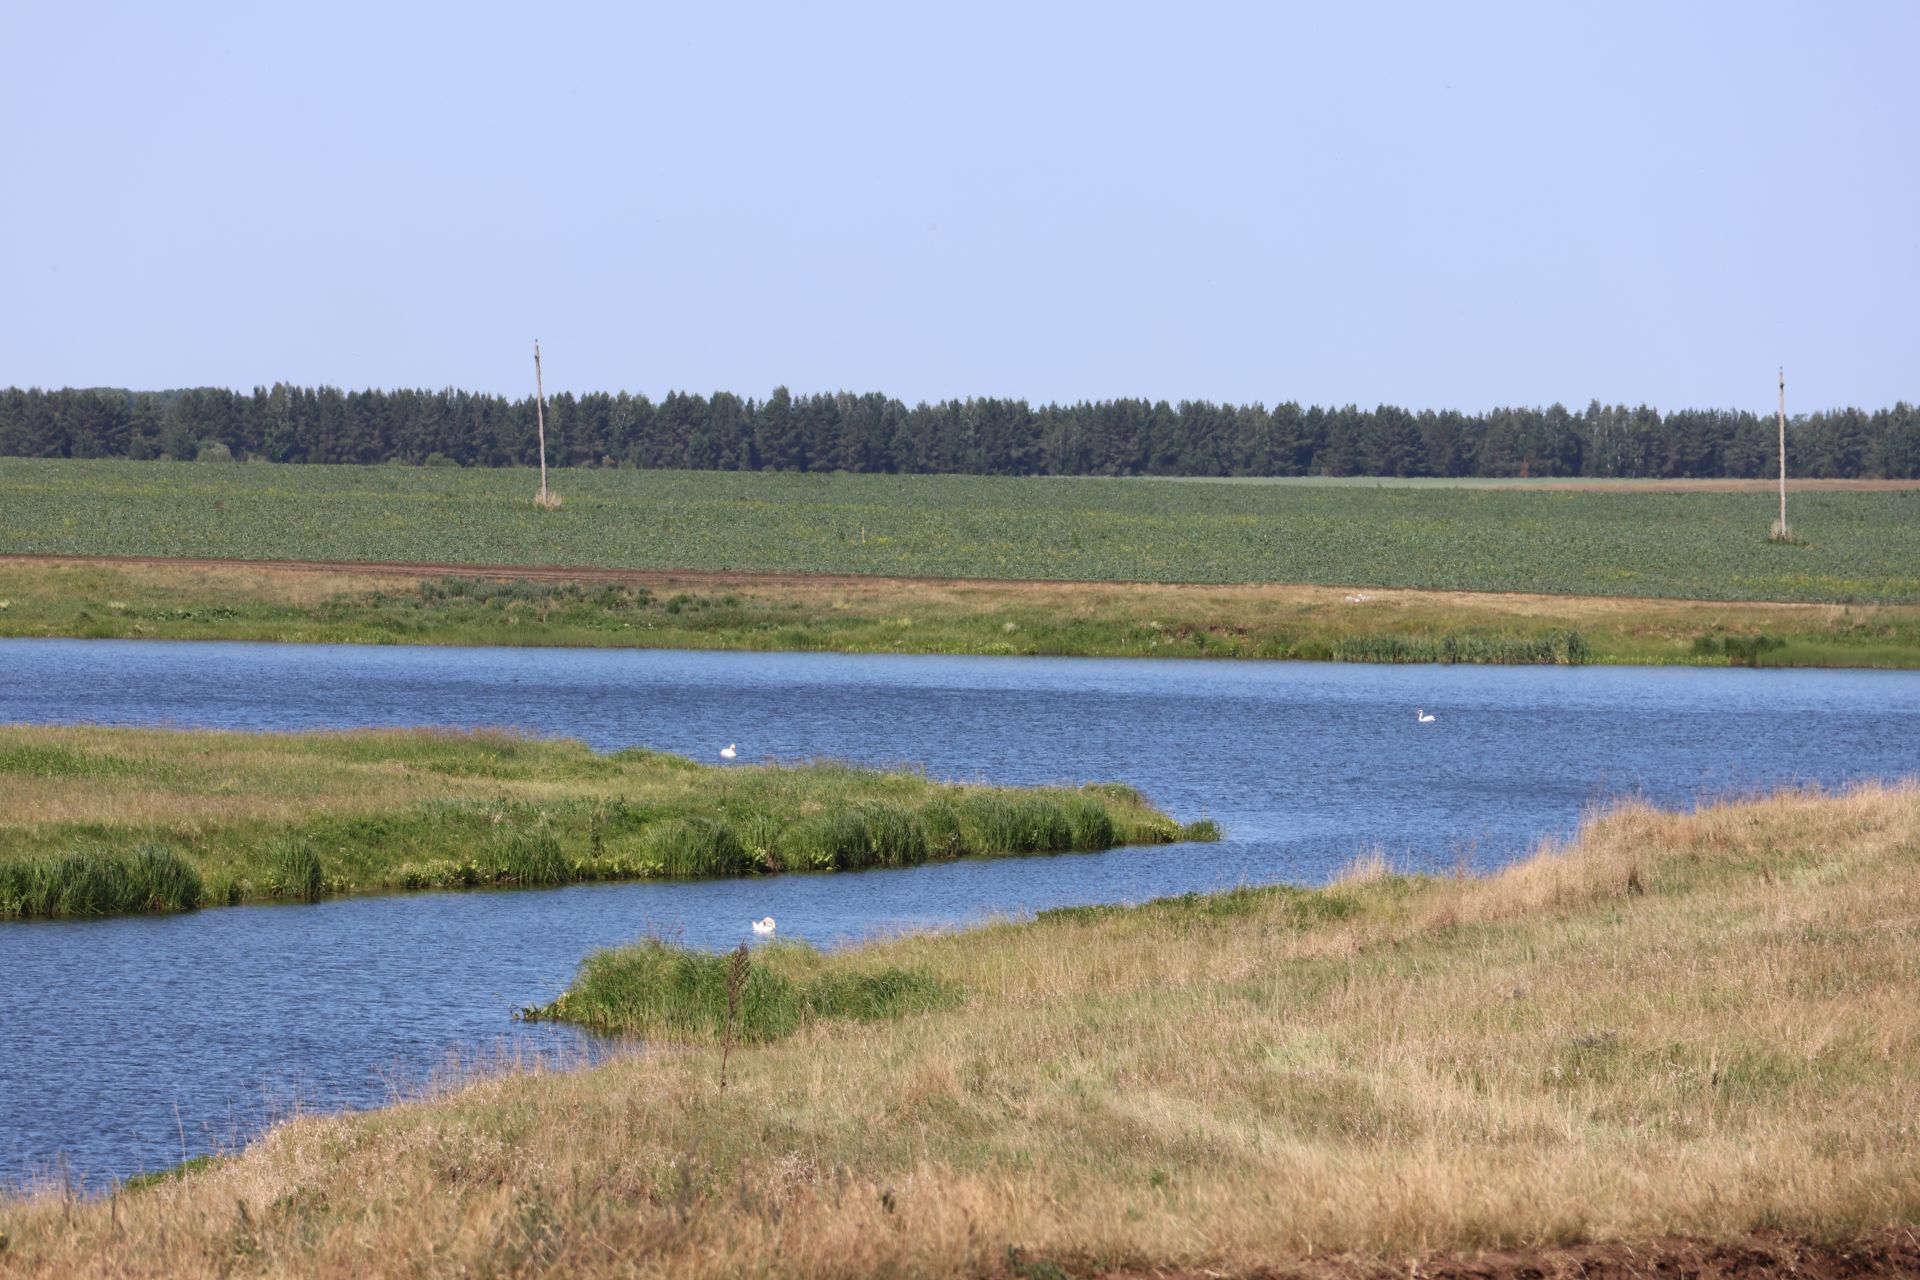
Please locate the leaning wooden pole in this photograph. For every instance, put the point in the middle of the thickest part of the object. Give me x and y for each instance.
(540, 425)
(1780, 530)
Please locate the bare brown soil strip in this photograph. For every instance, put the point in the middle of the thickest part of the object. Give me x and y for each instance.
(534, 573)
(1894, 1252)
(746, 579)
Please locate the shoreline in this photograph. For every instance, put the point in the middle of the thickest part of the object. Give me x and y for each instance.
(1371, 1047)
(325, 602)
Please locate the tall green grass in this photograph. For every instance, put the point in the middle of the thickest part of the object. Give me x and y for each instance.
(696, 847)
(668, 992)
(94, 880)
(530, 856)
(294, 869)
(987, 823)
(1563, 648)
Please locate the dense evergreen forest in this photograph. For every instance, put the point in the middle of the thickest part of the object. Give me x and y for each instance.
(874, 433)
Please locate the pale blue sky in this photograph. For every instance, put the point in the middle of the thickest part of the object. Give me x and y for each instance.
(1430, 205)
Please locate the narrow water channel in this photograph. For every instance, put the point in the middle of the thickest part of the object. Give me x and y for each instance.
(131, 1041)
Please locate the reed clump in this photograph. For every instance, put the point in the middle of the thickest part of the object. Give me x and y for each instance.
(294, 869)
(529, 856)
(1560, 648)
(666, 992)
(696, 847)
(95, 880)
(1738, 650)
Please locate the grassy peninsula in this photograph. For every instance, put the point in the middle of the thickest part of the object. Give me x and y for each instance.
(685, 610)
(96, 821)
(1680, 1038)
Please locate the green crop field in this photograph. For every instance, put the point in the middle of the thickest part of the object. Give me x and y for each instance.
(1856, 546)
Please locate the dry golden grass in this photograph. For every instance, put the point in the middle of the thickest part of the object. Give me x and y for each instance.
(1704, 1025)
(171, 781)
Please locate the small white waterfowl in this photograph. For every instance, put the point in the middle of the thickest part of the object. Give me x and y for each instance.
(1423, 717)
(763, 926)
(727, 752)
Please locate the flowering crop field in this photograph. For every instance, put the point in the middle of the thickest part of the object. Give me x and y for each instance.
(1857, 546)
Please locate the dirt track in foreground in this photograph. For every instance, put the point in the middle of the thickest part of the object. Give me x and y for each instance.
(1894, 1252)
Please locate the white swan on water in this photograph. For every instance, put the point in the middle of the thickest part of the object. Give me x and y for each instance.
(727, 752)
(763, 926)
(1423, 716)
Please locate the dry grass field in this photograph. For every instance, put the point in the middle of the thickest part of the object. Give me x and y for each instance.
(1684, 1037)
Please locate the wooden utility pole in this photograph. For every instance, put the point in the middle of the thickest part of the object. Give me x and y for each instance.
(543, 499)
(1780, 531)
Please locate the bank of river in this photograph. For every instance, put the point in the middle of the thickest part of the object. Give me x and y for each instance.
(450, 604)
(234, 1015)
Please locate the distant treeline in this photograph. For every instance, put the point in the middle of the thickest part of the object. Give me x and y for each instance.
(874, 433)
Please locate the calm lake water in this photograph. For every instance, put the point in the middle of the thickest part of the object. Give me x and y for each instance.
(131, 1041)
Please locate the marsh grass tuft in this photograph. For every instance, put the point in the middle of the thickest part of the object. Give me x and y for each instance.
(697, 847)
(1002, 823)
(294, 869)
(1739, 651)
(1089, 822)
(662, 991)
(1561, 648)
(94, 880)
(528, 856)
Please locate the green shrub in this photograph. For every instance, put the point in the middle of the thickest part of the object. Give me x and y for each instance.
(1739, 651)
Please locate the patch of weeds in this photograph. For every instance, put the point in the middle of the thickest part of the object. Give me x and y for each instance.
(141, 1181)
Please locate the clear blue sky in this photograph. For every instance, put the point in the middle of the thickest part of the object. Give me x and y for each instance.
(1424, 204)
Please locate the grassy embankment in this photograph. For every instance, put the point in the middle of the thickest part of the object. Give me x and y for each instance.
(1698, 1025)
(95, 821)
(766, 612)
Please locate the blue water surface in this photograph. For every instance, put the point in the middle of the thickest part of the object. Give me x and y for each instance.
(131, 1041)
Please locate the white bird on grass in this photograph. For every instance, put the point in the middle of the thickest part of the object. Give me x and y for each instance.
(763, 926)
(727, 752)
(1423, 717)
